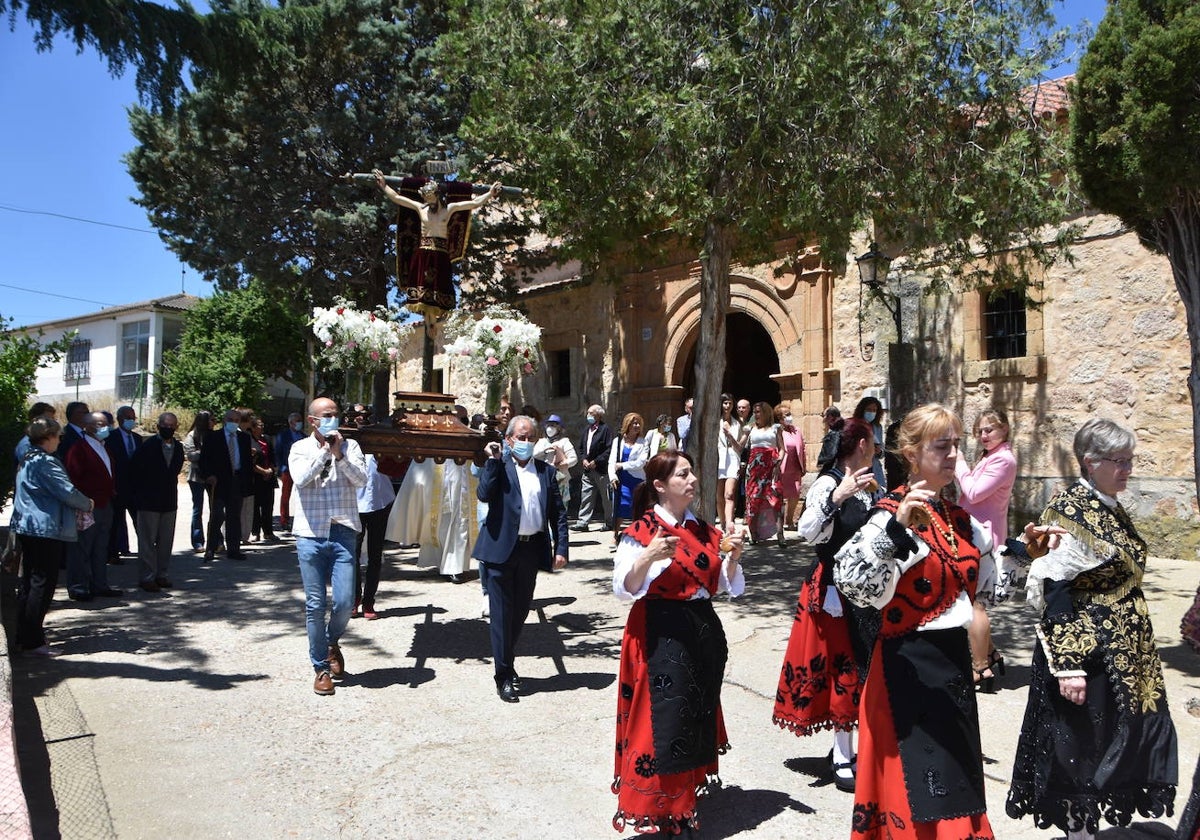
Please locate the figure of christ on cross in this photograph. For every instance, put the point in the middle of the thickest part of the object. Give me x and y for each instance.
(429, 286)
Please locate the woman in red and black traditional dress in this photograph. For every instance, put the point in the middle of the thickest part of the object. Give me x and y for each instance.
(917, 560)
(669, 725)
(830, 645)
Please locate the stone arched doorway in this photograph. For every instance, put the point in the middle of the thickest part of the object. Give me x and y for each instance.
(750, 361)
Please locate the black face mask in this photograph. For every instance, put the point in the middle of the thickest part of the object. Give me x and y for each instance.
(166, 433)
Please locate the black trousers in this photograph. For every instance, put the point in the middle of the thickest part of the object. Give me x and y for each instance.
(39, 577)
(510, 592)
(225, 508)
(118, 537)
(373, 526)
(264, 504)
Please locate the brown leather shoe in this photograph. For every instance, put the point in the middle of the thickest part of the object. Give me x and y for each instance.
(337, 664)
(323, 684)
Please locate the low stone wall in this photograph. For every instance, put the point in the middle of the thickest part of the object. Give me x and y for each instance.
(1164, 509)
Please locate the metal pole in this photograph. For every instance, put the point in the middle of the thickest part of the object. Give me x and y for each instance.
(427, 361)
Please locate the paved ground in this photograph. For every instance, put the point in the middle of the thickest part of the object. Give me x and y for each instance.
(191, 714)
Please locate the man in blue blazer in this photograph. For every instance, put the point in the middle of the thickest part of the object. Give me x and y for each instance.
(525, 527)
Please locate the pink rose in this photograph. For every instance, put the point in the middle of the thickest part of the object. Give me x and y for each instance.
(329, 343)
(493, 361)
(375, 355)
(372, 316)
(393, 353)
(528, 368)
(350, 345)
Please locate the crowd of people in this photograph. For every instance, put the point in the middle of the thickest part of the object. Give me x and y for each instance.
(890, 643)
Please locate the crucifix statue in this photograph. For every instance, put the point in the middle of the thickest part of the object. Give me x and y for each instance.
(444, 223)
(432, 231)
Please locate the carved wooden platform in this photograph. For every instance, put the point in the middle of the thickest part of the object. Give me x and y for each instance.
(424, 425)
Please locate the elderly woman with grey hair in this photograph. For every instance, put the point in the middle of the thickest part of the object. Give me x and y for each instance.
(1097, 740)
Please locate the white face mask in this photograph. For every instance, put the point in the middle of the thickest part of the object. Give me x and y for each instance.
(787, 418)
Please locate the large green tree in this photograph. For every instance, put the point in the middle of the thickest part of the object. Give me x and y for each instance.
(158, 40)
(243, 178)
(21, 355)
(231, 343)
(729, 124)
(1135, 140)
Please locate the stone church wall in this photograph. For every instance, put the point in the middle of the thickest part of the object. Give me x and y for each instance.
(1108, 340)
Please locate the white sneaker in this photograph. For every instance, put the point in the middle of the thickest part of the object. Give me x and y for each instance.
(484, 612)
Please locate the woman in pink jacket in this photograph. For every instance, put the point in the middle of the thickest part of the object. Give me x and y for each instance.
(984, 492)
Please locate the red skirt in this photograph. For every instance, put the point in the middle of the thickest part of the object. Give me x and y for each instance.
(881, 807)
(819, 684)
(648, 802)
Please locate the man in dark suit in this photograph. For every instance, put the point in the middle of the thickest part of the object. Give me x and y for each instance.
(226, 468)
(593, 448)
(154, 475)
(90, 470)
(121, 443)
(526, 526)
(76, 413)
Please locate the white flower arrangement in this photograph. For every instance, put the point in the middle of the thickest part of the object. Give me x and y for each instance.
(495, 345)
(349, 338)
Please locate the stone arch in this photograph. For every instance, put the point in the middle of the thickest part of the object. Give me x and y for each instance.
(748, 295)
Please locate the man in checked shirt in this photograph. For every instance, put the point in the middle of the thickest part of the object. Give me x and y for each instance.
(327, 471)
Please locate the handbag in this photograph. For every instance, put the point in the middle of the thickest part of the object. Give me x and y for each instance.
(10, 559)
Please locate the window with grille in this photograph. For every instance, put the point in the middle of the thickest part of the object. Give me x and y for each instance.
(560, 373)
(78, 363)
(1004, 324)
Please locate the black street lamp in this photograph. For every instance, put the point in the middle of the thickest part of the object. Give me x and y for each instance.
(872, 271)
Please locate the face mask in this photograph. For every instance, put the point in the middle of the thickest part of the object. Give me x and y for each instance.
(128, 425)
(231, 426)
(665, 430)
(869, 416)
(523, 450)
(327, 426)
(298, 426)
(166, 433)
(102, 432)
(787, 418)
(551, 431)
(591, 420)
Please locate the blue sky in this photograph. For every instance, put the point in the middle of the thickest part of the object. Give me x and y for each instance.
(65, 133)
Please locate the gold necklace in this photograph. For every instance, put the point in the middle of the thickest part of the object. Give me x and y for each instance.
(947, 532)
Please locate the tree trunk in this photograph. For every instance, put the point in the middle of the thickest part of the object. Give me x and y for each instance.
(710, 363)
(1177, 234)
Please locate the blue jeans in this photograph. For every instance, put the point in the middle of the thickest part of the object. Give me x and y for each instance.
(327, 562)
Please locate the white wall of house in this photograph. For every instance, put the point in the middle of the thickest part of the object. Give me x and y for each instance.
(122, 363)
